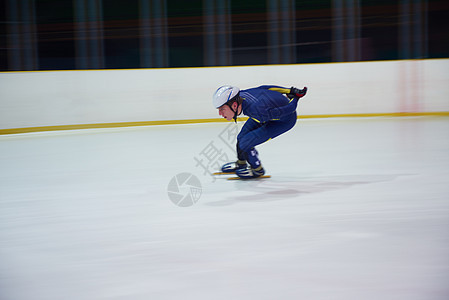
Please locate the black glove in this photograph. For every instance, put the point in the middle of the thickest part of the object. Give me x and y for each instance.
(297, 93)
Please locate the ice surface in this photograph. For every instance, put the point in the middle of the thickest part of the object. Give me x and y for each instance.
(355, 209)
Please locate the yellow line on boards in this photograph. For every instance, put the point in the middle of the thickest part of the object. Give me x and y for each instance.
(197, 121)
(361, 115)
(104, 125)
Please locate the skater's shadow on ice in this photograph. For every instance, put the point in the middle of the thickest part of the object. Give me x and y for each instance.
(280, 189)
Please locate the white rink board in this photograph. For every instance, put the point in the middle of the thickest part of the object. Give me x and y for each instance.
(32, 99)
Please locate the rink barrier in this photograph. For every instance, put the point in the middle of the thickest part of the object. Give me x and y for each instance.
(33, 101)
(199, 121)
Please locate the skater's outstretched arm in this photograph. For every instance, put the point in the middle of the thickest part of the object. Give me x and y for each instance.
(294, 94)
(289, 92)
(276, 88)
(279, 112)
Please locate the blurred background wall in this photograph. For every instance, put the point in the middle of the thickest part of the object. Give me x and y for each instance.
(111, 34)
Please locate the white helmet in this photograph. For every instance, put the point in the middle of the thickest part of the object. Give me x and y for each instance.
(225, 94)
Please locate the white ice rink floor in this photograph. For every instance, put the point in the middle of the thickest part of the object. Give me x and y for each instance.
(356, 209)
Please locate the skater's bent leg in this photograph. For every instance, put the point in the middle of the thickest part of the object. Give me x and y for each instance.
(250, 139)
(241, 155)
(250, 125)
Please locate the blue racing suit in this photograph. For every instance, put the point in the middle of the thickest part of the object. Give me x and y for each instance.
(270, 114)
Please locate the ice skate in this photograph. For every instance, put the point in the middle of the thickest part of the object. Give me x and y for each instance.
(232, 167)
(249, 173)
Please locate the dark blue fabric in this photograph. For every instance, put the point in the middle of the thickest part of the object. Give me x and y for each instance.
(271, 114)
(254, 133)
(265, 105)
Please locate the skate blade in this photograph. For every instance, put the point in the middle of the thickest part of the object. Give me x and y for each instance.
(239, 178)
(223, 173)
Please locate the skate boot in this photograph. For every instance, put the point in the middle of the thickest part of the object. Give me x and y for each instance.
(232, 167)
(249, 173)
